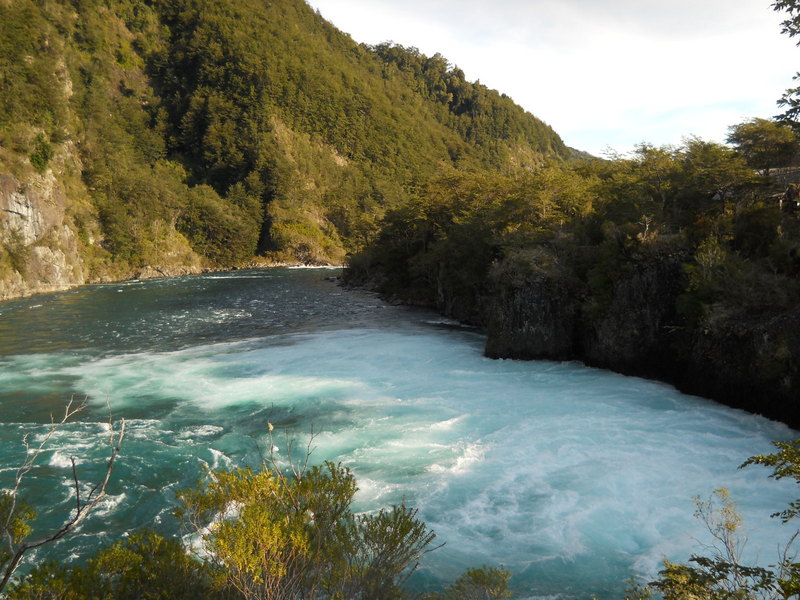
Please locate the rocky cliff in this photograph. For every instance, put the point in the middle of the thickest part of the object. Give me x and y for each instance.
(51, 237)
(536, 305)
(635, 331)
(750, 361)
(533, 310)
(39, 248)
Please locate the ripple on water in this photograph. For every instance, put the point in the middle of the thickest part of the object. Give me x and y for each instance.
(574, 478)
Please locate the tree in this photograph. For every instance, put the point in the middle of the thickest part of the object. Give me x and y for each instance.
(722, 575)
(784, 463)
(790, 26)
(641, 188)
(272, 534)
(16, 514)
(485, 583)
(711, 179)
(764, 144)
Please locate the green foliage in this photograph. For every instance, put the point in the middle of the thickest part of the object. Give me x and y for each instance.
(784, 463)
(263, 535)
(756, 229)
(15, 518)
(607, 264)
(306, 137)
(484, 583)
(722, 576)
(790, 100)
(764, 144)
(143, 565)
(481, 116)
(15, 252)
(437, 249)
(668, 188)
(42, 153)
(223, 232)
(275, 92)
(691, 234)
(720, 280)
(29, 67)
(707, 278)
(275, 536)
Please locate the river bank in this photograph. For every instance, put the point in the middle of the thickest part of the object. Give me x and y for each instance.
(538, 305)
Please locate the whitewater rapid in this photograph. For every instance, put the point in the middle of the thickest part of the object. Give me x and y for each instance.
(573, 478)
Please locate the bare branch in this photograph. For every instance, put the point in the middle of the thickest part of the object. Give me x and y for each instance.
(77, 485)
(82, 507)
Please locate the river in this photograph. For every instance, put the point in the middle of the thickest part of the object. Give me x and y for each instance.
(573, 478)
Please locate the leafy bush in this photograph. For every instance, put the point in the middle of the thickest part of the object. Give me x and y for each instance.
(15, 252)
(485, 583)
(723, 576)
(269, 535)
(42, 153)
(143, 565)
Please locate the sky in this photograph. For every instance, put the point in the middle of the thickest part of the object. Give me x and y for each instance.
(605, 74)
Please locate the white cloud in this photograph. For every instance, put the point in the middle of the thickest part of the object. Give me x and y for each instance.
(601, 72)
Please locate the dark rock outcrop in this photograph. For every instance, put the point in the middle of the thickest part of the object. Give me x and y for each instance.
(533, 310)
(633, 334)
(750, 362)
(536, 307)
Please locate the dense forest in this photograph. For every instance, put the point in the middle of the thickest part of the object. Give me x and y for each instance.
(202, 134)
(679, 263)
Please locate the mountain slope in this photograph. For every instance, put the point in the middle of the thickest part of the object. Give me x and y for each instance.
(202, 133)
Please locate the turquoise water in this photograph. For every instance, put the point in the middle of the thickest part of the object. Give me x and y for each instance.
(573, 478)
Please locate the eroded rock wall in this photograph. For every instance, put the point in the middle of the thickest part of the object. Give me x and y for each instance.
(40, 249)
(634, 332)
(538, 308)
(533, 310)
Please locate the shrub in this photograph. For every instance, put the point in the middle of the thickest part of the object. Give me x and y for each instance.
(485, 583)
(42, 153)
(270, 535)
(144, 565)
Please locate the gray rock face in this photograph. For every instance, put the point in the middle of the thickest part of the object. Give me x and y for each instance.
(41, 248)
(50, 236)
(21, 207)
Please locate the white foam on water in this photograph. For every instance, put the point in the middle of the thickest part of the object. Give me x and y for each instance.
(227, 276)
(62, 461)
(470, 455)
(547, 468)
(372, 492)
(108, 505)
(144, 429)
(315, 267)
(219, 460)
(447, 425)
(204, 377)
(221, 315)
(201, 431)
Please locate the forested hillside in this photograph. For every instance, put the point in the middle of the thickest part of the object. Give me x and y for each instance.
(144, 136)
(680, 263)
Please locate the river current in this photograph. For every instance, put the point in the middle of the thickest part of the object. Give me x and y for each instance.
(574, 478)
